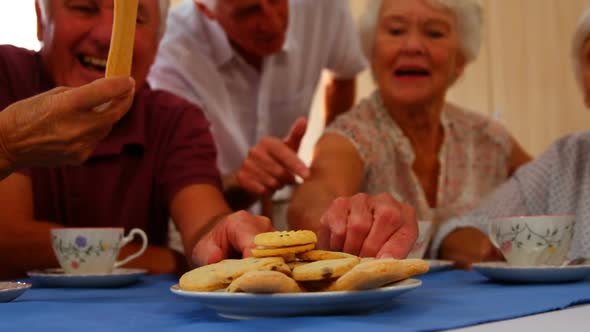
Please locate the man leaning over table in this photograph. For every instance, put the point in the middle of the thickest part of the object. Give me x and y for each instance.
(558, 182)
(253, 67)
(158, 160)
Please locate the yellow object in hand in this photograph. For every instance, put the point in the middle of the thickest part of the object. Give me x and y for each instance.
(122, 38)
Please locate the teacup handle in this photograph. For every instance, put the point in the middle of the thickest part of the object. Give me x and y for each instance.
(127, 239)
(491, 236)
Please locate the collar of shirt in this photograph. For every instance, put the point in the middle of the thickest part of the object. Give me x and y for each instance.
(403, 143)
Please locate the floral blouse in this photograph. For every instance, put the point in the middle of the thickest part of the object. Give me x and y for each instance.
(473, 158)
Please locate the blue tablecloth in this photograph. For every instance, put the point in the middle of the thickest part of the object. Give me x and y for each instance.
(446, 300)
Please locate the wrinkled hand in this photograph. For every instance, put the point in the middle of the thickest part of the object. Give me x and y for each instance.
(369, 226)
(469, 245)
(234, 235)
(273, 162)
(60, 126)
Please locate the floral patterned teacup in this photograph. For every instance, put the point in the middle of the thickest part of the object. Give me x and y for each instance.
(533, 240)
(93, 250)
(424, 235)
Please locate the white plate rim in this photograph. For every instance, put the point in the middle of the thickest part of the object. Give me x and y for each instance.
(237, 305)
(439, 262)
(11, 290)
(13, 286)
(406, 284)
(438, 265)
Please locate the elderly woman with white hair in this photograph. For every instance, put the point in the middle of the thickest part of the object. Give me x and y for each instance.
(405, 142)
(159, 160)
(556, 183)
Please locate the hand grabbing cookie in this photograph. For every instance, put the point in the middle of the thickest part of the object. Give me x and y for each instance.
(287, 263)
(369, 226)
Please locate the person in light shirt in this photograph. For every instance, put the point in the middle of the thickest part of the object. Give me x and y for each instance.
(405, 152)
(158, 160)
(557, 182)
(253, 67)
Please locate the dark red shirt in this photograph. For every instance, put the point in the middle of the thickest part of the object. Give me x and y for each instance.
(161, 146)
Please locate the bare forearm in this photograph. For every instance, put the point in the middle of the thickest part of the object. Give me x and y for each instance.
(340, 95)
(465, 246)
(308, 204)
(5, 164)
(26, 246)
(235, 195)
(5, 167)
(336, 171)
(156, 260)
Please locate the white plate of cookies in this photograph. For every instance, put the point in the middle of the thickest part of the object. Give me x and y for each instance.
(287, 277)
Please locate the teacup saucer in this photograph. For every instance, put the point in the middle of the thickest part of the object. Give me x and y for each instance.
(10, 290)
(501, 271)
(57, 278)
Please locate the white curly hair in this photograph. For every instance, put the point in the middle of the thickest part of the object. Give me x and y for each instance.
(468, 14)
(164, 5)
(581, 36)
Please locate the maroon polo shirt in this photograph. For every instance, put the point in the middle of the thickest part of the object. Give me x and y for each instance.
(161, 146)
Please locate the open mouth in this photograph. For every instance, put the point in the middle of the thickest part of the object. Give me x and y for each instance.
(411, 72)
(93, 63)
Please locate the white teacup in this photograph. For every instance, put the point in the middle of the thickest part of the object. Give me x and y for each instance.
(425, 228)
(93, 250)
(533, 240)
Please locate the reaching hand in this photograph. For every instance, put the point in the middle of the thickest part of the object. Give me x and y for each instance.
(63, 125)
(232, 235)
(369, 226)
(469, 245)
(273, 162)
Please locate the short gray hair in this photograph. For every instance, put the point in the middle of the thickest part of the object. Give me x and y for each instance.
(164, 5)
(580, 37)
(468, 14)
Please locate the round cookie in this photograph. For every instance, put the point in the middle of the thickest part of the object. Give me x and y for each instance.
(219, 275)
(263, 282)
(285, 238)
(295, 264)
(284, 251)
(377, 273)
(320, 255)
(324, 269)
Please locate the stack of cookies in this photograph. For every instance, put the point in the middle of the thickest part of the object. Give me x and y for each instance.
(286, 262)
(283, 244)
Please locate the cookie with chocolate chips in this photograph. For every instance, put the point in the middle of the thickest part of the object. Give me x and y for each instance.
(263, 282)
(324, 269)
(220, 275)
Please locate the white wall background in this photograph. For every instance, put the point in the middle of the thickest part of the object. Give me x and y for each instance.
(18, 23)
